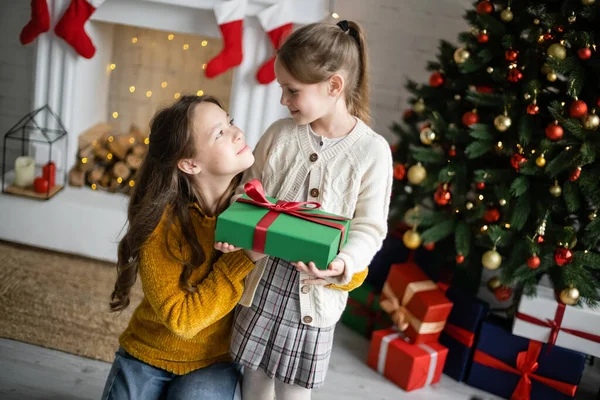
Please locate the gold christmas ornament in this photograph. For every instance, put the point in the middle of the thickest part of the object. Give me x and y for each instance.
(502, 202)
(469, 205)
(555, 190)
(491, 259)
(494, 283)
(540, 161)
(588, 2)
(411, 216)
(502, 122)
(592, 216)
(411, 239)
(536, 21)
(572, 18)
(419, 106)
(416, 174)
(569, 296)
(552, 77)
(506, 15)
(461, 55)
(490, 70)
(557, 51)
(427, 136)
(591, 122)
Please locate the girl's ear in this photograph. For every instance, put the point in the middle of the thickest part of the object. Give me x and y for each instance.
(336, 85)
(189, 167)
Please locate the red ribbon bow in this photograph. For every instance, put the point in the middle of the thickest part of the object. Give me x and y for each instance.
(255, 191)
(526, 366)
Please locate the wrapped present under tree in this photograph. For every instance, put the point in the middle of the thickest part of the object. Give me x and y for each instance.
(363, 313)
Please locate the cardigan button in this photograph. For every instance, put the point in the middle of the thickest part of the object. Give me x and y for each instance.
(305, 289)
(314, 157)
(307, 319)
(314, 192)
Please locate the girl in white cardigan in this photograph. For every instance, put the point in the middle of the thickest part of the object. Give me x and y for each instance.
(324, 153)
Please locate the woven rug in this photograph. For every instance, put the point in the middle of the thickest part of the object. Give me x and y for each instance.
(60, 301)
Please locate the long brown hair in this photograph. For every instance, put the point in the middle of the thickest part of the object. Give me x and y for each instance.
(315, 52)
(161, 187)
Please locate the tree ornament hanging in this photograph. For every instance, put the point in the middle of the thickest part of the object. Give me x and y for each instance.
(514, 75)
(491, 259)
(578, 109)
(511, 55)
(470, 118)
(419, 106)
(592, 215)
(427, 136)
(591, 122)
(480, 185)
(552, 76)
(485, 7)
(483, 37)
(442, 195)
(494, 283)
(461, 55)
(399, 171)
(557, 50)
(411, 216)
(429, 246)
(569, 296)
(516, 160)
(584, 54)
(452, 151)
(492, 215)
(533, 109)
(575, 174)
(555, 190)
(503, 293)
(540, 161)
(572, 18)
(533, 262)
(460, 259)
(563, 256)
(502, 202)
(417, 174)
(436, 79)
(469, 205)
(502, 122)
(411, 239)
(554, 131)
(540, 239)
(506, 15)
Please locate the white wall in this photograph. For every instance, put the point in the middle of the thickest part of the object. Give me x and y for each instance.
(402, 36)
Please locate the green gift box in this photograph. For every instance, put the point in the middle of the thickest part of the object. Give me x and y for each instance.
(288, 236)
(363, 313)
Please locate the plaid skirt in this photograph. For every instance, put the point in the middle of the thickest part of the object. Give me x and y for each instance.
(269, 334)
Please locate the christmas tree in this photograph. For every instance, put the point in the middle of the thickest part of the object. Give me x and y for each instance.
(497, 161)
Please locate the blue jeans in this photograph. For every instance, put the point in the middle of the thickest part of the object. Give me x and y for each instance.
(130, 378)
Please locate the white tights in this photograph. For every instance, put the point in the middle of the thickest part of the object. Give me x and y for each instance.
(256, 385)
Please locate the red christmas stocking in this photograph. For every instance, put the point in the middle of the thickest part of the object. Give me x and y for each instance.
(70, 26)
(276, 21)
(39, 23)
(230, 17)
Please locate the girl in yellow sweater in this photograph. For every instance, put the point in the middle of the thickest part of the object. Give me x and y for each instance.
(177, 343)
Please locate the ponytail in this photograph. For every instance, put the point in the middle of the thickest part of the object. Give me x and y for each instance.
(359, 97)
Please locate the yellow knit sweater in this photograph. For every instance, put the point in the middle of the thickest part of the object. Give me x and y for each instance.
(177, 330)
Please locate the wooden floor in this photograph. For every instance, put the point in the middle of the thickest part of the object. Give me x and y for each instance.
(31, 372)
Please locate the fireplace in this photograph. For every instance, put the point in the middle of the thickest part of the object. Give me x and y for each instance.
(88, 222)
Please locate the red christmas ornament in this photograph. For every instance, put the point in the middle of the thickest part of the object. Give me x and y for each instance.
(436, 79)
(511, 55)
(514, 75)
(484, 89)
(399, 171)
(480, 185)
(470, 118)
(584, 53)
(533, 262)
(503, 293)
(491, 215)
(429, 246)
(574, 175)
(554, 131)
(485, 7)
(578, 109)
(547, 36)
(563, 256)
(533, 109)
(516, 160)
(442, 195)
(483, 38)
(540, 239)
(460, 259)
(408, 115)
(452, 151)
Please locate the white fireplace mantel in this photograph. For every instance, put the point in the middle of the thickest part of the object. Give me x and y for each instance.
(82, 221)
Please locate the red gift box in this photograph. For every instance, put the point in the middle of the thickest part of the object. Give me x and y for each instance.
(416, 304)
(410, 366)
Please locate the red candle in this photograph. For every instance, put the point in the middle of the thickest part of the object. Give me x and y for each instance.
(41, 185)
(49, 173)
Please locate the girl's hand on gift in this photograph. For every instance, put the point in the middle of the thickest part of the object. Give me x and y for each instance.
(226, 247)
(336, 268)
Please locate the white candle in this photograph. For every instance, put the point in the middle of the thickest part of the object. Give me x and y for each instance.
(24, 171)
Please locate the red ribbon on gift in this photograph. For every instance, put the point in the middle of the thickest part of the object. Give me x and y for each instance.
(255, 191)
(366, 310)
(555, 326)
(460, 335)
(526, 366)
